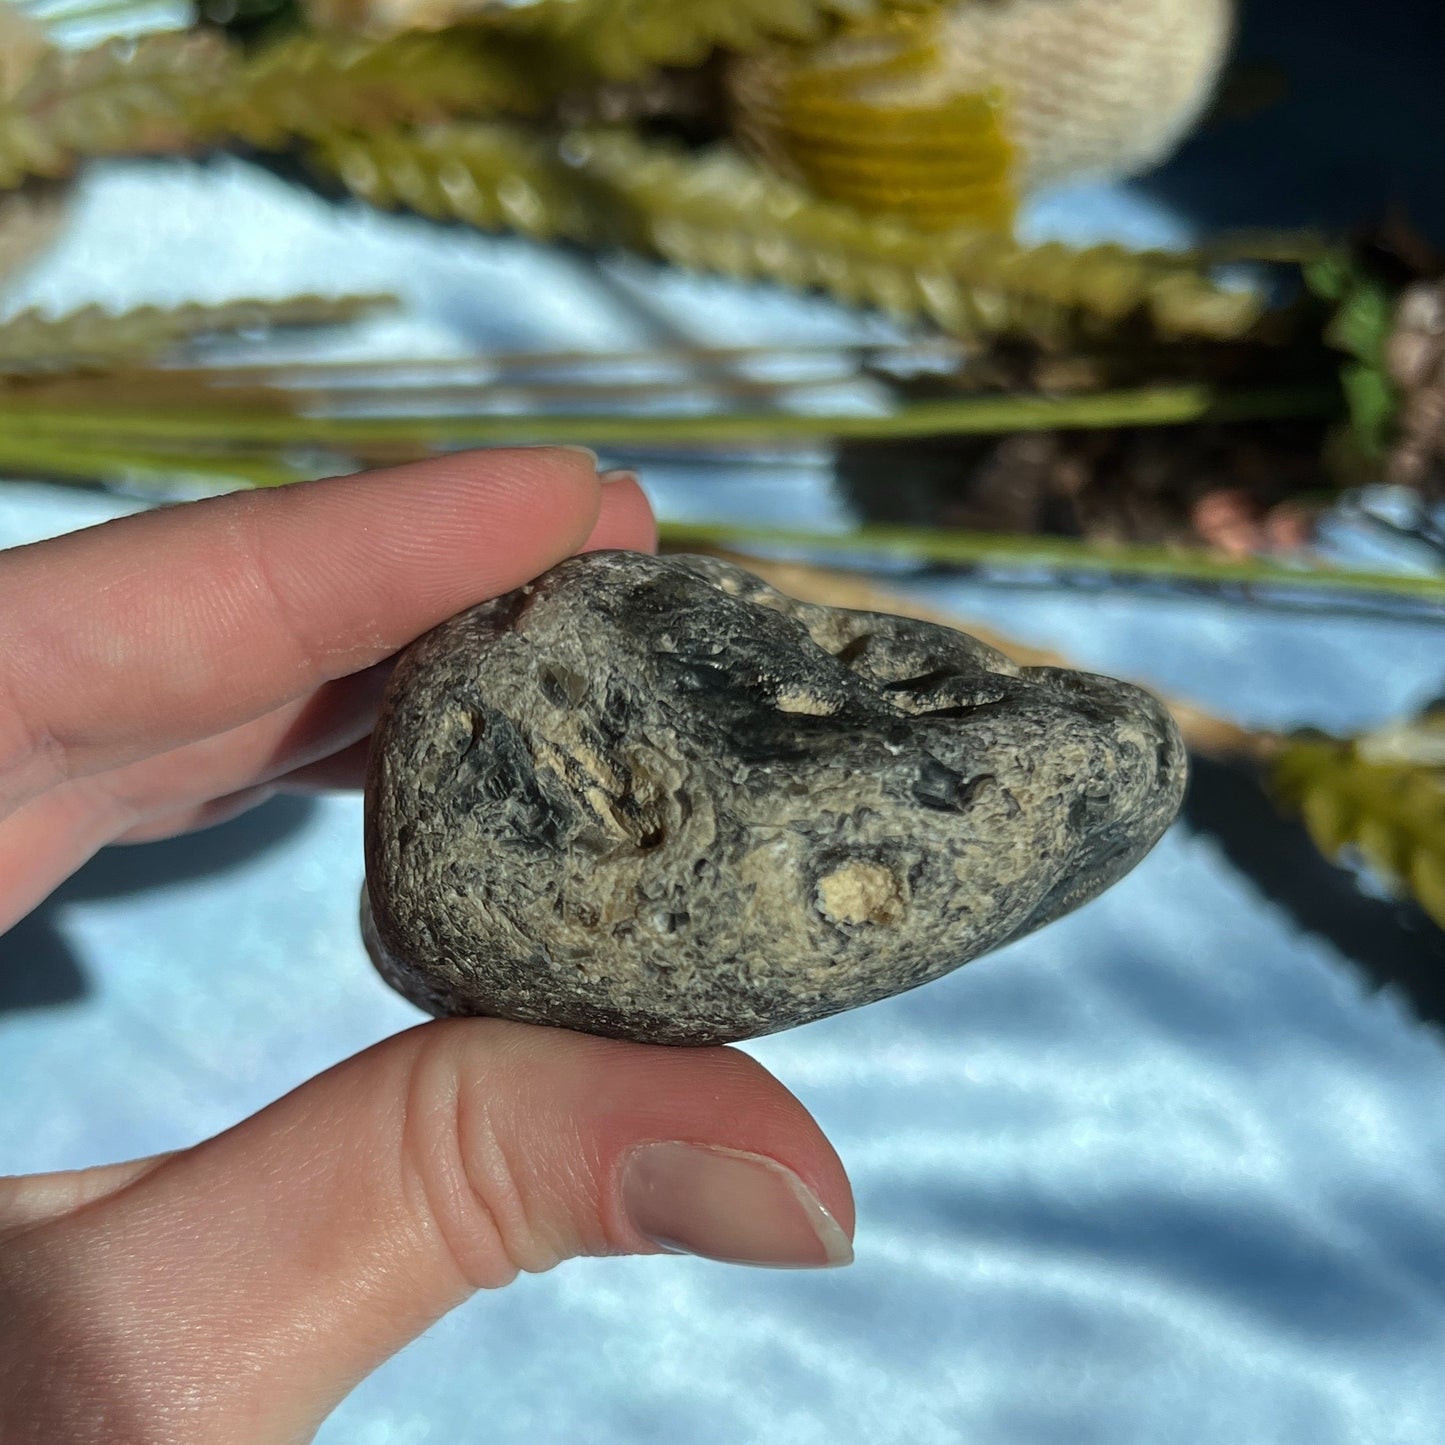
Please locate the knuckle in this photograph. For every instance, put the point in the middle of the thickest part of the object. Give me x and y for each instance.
(32, 758)
(460, 1170)
(259, 578)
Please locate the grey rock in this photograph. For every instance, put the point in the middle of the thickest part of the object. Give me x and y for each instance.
(653, 798)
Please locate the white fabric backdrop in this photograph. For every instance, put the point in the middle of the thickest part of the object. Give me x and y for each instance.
(1171, 1170)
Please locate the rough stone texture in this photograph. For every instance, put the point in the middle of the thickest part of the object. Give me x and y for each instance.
(654, 798)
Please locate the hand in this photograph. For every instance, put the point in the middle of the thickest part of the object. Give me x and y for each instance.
(164, 671)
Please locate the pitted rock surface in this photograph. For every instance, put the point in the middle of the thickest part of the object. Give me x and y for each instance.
(654, 798)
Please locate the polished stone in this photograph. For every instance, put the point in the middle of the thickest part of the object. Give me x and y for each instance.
(656, 799)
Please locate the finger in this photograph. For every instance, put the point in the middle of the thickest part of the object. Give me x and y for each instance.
(25, 1202)
(291, 739)
(148, 632)
(43, 842)
(192, 787)
(321, 746)
(626, 519)
(316, 744)
(256, 753)
(242, 1287)
(343, 772)
(202, 815)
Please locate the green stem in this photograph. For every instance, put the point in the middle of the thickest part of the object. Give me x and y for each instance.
(852, 353)
(1057, 553)
(93, 10)
(1162, 406)
(52, 459)
(38, 454)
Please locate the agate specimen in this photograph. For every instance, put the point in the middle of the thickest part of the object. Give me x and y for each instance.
(653, 798)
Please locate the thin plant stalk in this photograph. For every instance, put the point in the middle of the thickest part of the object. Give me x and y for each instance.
(1064, 554)
(90, 464)
(940, 349)
(963, 416)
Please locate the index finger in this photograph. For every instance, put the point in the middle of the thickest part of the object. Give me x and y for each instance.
(152, 631)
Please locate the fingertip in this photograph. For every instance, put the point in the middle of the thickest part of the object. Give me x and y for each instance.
(633, 1094)
(547, 495)
(625, 519)
(577, 465)
(561, 483)
(781, 1126)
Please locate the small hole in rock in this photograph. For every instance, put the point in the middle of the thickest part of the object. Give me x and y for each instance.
(850, 652)
(924, 682)
(960, 709)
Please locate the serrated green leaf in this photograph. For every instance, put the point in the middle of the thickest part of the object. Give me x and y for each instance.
(92, 338)
(1373, 404)
(720, 212)
(1363, 322)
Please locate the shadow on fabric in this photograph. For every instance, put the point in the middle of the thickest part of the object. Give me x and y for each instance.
(37, 966)
(1393, 942)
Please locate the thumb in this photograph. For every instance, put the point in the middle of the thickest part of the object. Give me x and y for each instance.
(236, 1291)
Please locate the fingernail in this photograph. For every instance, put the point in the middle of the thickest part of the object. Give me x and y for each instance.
(618, 474)
(729, 1205)
(593, 460)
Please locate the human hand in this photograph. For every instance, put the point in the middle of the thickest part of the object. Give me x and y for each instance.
(164, 671)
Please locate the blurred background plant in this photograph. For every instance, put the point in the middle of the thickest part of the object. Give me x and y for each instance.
(1216, 416)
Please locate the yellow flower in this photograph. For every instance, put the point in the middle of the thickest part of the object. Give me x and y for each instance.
(947, 116)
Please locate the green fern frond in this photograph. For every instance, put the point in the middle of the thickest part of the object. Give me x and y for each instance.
(308, 85)
(125, 96)
(1363, 318)
(169, 472)
(34, 344)
(623, 39)
(494, 177)
(722, 213)
(1391, 812)
(174, 92)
